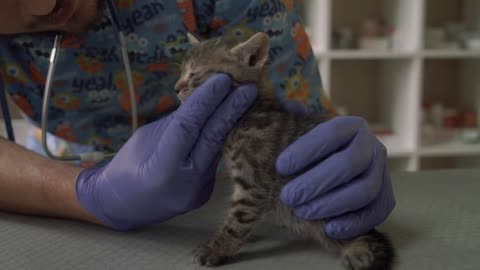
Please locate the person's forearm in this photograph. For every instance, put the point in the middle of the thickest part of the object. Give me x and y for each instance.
(34, 185)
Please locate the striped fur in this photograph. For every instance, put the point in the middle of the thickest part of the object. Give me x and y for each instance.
(250, 152)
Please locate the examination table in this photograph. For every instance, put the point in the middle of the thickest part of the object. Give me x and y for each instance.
(436, 225)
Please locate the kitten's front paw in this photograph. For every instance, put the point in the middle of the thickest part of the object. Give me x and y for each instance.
(362, 259)
(206, 256)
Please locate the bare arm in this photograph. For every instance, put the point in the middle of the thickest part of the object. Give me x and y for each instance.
(34, 185)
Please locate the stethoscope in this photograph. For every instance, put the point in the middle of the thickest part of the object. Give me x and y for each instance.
(96, 156)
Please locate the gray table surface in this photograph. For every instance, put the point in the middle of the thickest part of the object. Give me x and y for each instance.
(436, 225)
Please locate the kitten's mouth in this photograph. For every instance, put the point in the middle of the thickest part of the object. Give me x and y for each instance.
(182, 94)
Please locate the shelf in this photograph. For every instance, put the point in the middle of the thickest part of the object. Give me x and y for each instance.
(453, 54)
(389, 87)
(403, 15)
(450, 149)
(401, 164)
(364, 54)
(373, 55)
(395, 146)
(449, 162)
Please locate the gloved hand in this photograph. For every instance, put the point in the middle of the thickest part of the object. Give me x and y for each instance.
(348, 184)
(167, 167)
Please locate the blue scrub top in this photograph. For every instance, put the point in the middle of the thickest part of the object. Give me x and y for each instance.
(90, 103)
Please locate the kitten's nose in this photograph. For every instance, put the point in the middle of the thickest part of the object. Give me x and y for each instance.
(180, 85)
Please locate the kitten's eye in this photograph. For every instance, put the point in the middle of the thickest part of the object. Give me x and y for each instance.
(193, 74)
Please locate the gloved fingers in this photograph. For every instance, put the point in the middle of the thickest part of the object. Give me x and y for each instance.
(338, 169)
(349, 197)
(319, 143)
(191, 116)
(199, 190)
(360, 222)
(205, 194)
(219, 125)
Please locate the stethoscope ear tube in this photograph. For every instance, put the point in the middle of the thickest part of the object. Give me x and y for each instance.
(46, 99)
(6, 113)
(112, 8)
(118, 26)
(93, 156)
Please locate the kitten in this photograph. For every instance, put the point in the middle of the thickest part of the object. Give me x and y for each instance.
(250, 153)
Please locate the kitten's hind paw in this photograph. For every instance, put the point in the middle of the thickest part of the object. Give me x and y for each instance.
(206, 256)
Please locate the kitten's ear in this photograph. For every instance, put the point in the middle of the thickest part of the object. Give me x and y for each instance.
(254, 51)
(192, 39)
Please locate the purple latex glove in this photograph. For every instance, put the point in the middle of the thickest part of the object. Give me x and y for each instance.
(167, 167)
(348, 181)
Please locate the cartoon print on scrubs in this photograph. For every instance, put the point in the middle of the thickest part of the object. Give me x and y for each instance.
(289, 4)
(297, 88)
(101, 98)
(241, 32)
(12, 73)
(124, 4)
(137, 44)
(90, 100)
(274, 26)
(186, 8)
(23, 104)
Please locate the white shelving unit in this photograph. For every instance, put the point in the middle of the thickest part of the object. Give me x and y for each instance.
(389, 87)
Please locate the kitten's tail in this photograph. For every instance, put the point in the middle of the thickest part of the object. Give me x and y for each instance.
(372, 251)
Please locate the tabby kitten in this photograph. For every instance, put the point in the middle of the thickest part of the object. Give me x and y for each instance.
(250, 153)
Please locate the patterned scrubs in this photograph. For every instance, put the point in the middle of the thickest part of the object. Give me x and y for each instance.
(90, 102)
